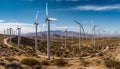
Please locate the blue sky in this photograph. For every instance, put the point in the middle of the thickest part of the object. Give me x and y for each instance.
(104, 13)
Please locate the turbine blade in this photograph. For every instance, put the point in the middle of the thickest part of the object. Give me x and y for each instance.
(92, 22)
(76, 22)
(83, 29)
(42, 26)
(85, 22)
(94, 28)
(46, 11)
(52, 19)
(36, 18)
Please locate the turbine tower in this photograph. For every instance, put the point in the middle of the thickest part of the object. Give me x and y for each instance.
(65, 38)
(81, 28)
(7, 32)
(36, 27)
(48, 34)
(103, 34)
(94, 32)
(19, 35)
(10, 34)
(4, 33)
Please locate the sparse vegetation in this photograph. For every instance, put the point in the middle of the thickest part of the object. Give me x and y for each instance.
(45, 62)
(13, 66)
(60, 62)
(30, 61)
(112, 63)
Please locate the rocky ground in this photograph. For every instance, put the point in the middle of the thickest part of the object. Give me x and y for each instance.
(13, 56)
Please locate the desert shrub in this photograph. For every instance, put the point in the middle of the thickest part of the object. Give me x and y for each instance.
(60, 62)
(112, 63)
(84, 54)
(37, 67)
(45, 62)
(13, 66)
(10, 59)
(100, 54)
(2, 64)
(30, 61)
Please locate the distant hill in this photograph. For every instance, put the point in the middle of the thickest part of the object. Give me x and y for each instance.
(57, 33)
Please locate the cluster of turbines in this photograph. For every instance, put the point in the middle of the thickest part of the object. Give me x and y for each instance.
(10, 32)
(48, 20)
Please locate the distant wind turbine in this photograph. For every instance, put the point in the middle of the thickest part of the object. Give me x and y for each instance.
(4, 33)
(7, 32)
(19, 35)
(65, 38)
(80, 37)
(10, 34)
(94, 34)
(103, 33)
(36, 26)
(48, 35)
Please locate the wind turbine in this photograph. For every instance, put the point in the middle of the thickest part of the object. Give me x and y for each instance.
(36, 26)
(41, 30)
(65, 38)
(4, 33)
(10, 34)
(94, 36)
(80, 37)
(7, 32)
(48, 34)
(103, 34)
(19, 35)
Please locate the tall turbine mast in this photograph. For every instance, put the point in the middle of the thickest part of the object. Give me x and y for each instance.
(103, 34)
(65, 38)
(19, 35)
(94, 36)
(10, 34)
(94, 32)
(48, 34)
(80, 37)
(7, 32)
(36, 26)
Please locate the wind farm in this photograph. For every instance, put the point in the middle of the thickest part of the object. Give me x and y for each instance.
(82, 35)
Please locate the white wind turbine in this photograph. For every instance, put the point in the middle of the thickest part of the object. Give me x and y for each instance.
(94, 34)
(65, 38)
(19, 35)
(81, 29)
(48, 34)
(103, 34)
(41, 30)
(4, 33)
(7, 32)
(36, 27)
(10, 29)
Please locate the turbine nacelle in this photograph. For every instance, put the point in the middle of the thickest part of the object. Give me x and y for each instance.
(36, 24)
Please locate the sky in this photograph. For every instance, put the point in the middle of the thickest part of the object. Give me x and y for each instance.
(102, 13)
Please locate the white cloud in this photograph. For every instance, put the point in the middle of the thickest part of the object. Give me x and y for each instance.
(1, 21)
(97, 8)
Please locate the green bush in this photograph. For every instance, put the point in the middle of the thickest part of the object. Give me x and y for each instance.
(30, 61)
(60, 62)
(112, 63)
(13, 66)
(45, 62)
(100, 54)
(37, 67)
